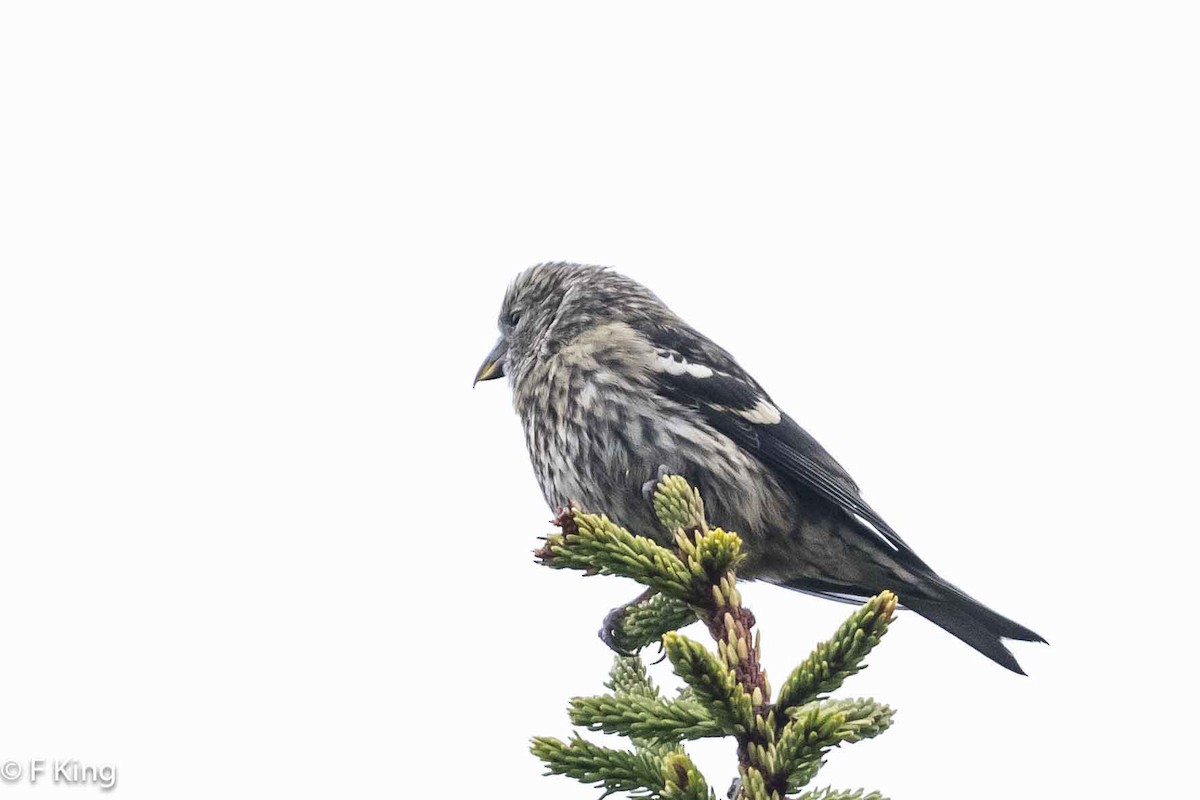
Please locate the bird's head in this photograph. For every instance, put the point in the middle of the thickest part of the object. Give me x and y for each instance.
(549, 305)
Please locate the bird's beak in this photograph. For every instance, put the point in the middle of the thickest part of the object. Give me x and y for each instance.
(493, 365)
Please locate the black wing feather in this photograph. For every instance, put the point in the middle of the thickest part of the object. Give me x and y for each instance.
(788, 447)
(784, 446)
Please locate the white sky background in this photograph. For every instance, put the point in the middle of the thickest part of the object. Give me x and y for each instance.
(258, 535)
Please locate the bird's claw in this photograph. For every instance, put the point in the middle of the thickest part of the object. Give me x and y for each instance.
(648, 486)
(610, 629)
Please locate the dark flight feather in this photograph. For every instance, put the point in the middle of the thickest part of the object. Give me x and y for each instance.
(784, 446)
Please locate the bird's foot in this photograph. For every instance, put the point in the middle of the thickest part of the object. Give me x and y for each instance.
(648, 486)
(614, 621)
(610, 630)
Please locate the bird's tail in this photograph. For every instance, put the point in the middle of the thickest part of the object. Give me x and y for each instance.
(971, 621)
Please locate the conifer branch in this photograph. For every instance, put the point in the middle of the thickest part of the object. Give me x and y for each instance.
(642, 717)
(713, 684)
(863, 718)
(644, 623)
(682, 781)
(831, 794)
(597, 545)
(840, 657)
(780, 745)
(615, 770)
(678, 506)
(817, 727)
(629, 676)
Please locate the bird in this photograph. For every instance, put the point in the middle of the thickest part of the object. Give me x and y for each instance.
(613, 388)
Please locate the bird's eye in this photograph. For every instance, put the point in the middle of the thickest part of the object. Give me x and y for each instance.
(514, 317)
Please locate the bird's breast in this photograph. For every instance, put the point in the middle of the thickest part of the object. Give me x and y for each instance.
(590, 439)
(596, 435)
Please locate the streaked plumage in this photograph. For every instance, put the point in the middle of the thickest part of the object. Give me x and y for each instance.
(610, 385)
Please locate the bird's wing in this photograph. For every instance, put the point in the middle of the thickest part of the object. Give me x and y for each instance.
(695, 372)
